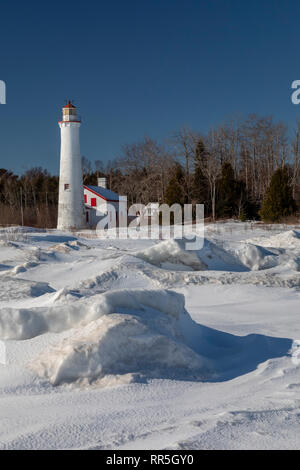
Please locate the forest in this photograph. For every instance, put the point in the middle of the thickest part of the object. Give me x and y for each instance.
(248, 169)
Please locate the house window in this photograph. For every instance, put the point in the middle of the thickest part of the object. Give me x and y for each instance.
(67, 186)
(87, 216)
(85, 198)
(93, 202)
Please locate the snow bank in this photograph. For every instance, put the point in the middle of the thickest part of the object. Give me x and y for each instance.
(8, 244)
(17, 233)
(61, 248)
(171, 254)
(126, 333)
(255, 257)
(25, 323)
(138, 334)
(105, 279)
(12, 288)
(288, 239)
(66, 247)
(65, 295)
(21, 268)
(21, 229)
(76, 244)
(119, 345)
(240, 256)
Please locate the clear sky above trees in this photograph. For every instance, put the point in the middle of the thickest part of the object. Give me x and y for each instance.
(139, 67)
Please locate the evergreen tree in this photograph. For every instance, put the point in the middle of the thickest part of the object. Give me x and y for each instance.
(200, 187)
(230, 193)
(278, 201)
(175, 188)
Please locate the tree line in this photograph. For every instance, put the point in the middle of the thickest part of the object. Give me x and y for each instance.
(30, 199)
(248, 169)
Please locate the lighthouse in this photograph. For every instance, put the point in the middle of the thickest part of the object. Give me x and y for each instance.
(71, 212)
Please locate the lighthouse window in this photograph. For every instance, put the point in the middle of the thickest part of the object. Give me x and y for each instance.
(67, 186)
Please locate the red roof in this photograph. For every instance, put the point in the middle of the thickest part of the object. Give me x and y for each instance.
(69, 105)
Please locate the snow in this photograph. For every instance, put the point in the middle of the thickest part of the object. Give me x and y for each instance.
(288, 239)
(255, 257)
(172, 253)
(121, 345)
(141, 344)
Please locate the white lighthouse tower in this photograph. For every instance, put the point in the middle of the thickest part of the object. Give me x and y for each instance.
(71, 213)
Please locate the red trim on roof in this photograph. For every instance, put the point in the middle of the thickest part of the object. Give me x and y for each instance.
(97, 194)
(69, 105)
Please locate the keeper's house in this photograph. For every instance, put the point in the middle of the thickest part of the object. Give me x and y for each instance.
(100, 202)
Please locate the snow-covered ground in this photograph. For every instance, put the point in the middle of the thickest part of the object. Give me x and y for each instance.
(140, 344)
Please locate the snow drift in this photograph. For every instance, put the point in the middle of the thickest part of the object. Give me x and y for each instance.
(140, 334)
(12, 288)
(122, 346)
(124, 334)
(288, 240)
(255, 257)
(239, 256)
(25, 323)
(172, 254)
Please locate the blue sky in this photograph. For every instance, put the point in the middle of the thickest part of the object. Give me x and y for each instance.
(136, 68)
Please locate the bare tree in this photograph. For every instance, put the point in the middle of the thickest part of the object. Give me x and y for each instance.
(295, 164)
(212, 166)
(185, 142)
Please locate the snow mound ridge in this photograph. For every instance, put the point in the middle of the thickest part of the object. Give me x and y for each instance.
(25, 323)
(140, 334)
(240, 256)
(68, 246)
(255, 257)
(12, 288)
(288, 239)
(21, 268)
(171, 254)
(123, 347)
(129, 334)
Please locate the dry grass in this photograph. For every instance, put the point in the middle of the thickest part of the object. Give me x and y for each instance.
(41, 216)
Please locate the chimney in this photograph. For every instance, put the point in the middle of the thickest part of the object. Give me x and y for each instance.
(102, 182)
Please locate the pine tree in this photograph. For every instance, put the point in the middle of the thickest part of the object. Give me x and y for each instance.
(278, 201)
(230, 192)
(175, 188)
(200, 188)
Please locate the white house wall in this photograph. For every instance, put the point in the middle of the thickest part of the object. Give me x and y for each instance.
(103, 207)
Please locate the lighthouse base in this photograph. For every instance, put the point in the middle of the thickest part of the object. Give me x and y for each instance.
(69, 220)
